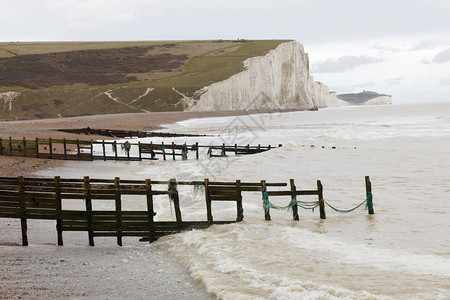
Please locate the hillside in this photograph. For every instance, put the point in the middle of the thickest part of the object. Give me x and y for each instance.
(46, 80)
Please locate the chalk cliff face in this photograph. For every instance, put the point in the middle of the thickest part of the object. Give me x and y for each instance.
(278, 80)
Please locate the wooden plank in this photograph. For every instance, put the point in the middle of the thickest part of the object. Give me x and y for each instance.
(87, 197)
(321, 201)
(118, 206)
(295, 216)
(23, 221)
(266, 210)
(369, 192)
(208, 202)
(239, 207)
(58, 209)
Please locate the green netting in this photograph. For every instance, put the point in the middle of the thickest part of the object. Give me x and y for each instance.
(311, 204)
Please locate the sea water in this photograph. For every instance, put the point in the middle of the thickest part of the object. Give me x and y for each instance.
(400, 252)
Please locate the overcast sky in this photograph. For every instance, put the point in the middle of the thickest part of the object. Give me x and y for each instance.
(397, 47)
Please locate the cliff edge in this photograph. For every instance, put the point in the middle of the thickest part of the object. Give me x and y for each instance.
(278, 80)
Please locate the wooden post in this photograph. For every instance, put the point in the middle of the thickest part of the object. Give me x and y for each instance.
(294, 206)
(118, 203)
(163, 149)
(235, 149)
(50, 144)
(87, 197)
(92, 150)
(58, 209)
(321, 201)
(266, 210)
(24, 146)
(115, 149)
(151, 212)
(37, 147)
(369, 195)
(223, 149)
(240, 209)
(65, 148)
(176, 202)
(139, 149)
(104, 150)
(196, 150)
(78, 149)
(173, 150)
(23, 220)
(208, 202)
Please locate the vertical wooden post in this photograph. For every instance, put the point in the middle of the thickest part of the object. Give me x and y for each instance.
(208, 202)
(78, 149)
(151, 212)
(196, 150)
(235, 149)
(92, 150)
(321, 201)
(87, 197)
(58, 209)
(37, 147)
(115, 149)
(65, 148)
(104, 150)
(118, 203)
(139, 149)
(173, 150)
(294, 205)
(176, 202)
(163, 149)
(23, 220)
(369, 196)
(266, 210)
(24, 146)
(223, 149)
(128, 151)
(50, 144)
(240, 209)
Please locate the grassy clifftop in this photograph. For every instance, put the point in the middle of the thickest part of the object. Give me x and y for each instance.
(83, 78)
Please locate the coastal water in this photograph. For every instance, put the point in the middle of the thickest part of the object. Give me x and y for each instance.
(400, 252)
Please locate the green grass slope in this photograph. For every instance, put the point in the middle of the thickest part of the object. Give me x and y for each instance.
(84, 78)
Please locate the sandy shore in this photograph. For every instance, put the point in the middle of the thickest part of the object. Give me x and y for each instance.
(77, 271)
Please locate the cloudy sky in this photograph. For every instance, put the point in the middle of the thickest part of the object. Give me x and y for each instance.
(397, 47)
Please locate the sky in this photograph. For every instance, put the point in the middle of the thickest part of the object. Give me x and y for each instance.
(395, 47)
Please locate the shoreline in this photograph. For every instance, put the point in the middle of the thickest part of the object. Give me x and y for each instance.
(44, 270)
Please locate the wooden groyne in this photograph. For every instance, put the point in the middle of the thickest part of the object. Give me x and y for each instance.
(112, 150)
(115, 133)
(45, 198)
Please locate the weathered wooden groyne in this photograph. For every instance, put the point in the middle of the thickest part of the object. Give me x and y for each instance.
(116, 133)
(44, 198)
(113, 150)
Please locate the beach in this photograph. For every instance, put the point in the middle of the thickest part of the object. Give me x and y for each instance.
(400, 252)
(45, 271)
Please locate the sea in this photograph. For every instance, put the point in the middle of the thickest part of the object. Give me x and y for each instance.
(402, 251)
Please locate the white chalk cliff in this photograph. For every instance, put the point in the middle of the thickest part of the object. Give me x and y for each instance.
(278, 80)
